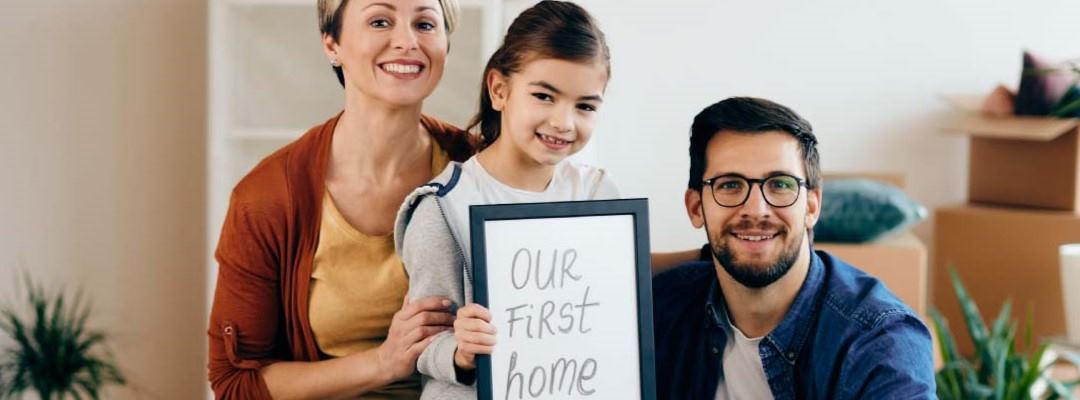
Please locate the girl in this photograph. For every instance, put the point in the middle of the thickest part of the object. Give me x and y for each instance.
(538, 104)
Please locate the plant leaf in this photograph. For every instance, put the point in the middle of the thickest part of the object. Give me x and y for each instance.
(974, 321)
(1069, 356)
(1033, 371)
(1066, 109)
(52, 352)
(950, 374)
(1059, 389)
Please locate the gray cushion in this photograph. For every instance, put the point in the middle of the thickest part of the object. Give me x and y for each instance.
(861, 210)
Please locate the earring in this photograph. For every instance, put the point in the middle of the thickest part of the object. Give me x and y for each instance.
(334, 62)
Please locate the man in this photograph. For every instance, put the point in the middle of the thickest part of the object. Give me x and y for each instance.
(769, 317)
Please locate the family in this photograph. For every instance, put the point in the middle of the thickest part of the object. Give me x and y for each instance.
(344, 256)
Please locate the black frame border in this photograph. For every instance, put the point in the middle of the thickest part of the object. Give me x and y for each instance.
(638, 208)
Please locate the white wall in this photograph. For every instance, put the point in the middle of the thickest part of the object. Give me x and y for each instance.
(102, 128)
(102, 154)
(866, 74)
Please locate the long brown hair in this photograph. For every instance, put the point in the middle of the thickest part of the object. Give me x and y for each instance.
(549, 30)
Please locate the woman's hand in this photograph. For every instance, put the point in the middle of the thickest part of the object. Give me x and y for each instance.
(410, 333)
(475, 335)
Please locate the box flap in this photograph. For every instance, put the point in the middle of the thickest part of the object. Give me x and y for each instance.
(965, 102)
(903, 239)
(891, 178)
(1024, 128)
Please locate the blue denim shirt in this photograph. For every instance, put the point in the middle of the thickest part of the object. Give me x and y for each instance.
(846, 336)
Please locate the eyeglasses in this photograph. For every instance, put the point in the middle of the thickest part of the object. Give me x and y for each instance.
(732, 190)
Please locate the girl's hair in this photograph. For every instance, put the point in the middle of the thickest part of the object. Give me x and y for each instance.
(331, 13)
(549, 30)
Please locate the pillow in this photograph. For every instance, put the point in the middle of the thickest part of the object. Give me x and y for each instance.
(1042, 86)
(861, 210)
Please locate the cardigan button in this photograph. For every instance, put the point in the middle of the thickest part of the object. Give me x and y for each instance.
(228, 330)
(715, 350)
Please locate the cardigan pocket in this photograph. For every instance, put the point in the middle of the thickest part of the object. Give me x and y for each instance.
(230, 334)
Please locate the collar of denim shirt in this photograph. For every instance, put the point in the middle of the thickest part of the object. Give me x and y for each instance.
(789, 336)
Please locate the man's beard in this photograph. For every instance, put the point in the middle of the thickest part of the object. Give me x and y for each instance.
(755, 275)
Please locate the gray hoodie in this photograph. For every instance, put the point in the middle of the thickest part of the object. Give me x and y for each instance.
(425, 241)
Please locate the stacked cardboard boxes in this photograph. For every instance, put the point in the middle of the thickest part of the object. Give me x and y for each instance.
(1024, 202)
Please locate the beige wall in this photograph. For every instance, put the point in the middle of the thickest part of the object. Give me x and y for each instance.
(102, 169)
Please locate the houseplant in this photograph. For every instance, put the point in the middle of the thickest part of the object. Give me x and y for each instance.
(1068, 105)
(53, 352)
(998, 370)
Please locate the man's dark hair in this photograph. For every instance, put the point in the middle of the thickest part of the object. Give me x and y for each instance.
(750, 115)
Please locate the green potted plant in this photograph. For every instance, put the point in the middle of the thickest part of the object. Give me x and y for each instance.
(998, 371)
(1069, 104)
(52, 351)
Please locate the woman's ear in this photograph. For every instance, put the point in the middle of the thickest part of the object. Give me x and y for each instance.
(330, 47)
(498, 88)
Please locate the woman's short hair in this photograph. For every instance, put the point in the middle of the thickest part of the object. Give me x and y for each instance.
(331, 11)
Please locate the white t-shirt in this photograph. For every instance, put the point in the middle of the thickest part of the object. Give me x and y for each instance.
(743, 368)
(571, 181)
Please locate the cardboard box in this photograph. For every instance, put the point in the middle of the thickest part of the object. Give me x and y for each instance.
(899, 261)
(890, 178)
(1022, 161)
(1002, 253)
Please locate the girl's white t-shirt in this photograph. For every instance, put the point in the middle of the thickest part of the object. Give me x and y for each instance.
(572, 181)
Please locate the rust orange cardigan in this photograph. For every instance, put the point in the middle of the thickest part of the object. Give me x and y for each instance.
(264, 256)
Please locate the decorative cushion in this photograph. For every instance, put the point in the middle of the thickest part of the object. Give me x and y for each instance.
(861, 210)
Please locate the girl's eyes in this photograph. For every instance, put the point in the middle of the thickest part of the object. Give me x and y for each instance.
(543, 96)
(548, 99)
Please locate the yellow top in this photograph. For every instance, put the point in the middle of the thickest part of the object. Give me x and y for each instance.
(357, 284)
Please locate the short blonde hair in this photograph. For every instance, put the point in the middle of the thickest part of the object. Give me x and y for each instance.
(330, 13)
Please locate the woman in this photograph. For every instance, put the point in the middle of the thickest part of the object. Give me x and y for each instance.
(309, 298)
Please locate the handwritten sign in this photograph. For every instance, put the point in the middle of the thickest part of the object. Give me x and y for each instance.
(569, 289)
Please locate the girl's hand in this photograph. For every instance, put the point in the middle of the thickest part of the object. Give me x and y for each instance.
(475, 335)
